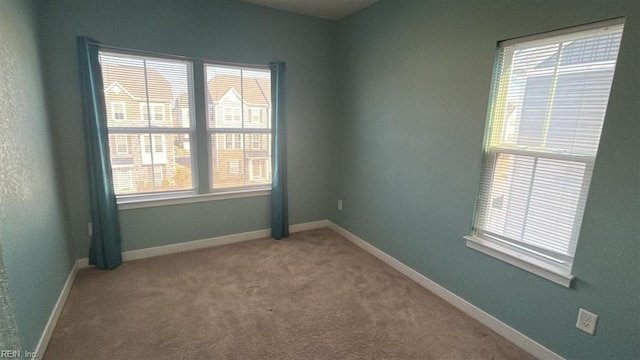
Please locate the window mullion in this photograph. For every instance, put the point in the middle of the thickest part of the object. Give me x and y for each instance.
(146, 91)
(243, 135)
(203, 140)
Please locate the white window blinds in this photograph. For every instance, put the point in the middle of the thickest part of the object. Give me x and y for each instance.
(549, 98)
(149, 125)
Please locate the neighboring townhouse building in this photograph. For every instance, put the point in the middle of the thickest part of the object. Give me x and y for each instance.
(240, 158)
(141, 162)
(541, 115)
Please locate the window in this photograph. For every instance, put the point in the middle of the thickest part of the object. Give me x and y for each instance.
(259, 170)
(234, 167)
(159, 147)
(122, 180)
(152, 112)
(156, 140)
(256, 117)
(118, 110)
(122, 145)
(232, 141)
(255, 141)
(152, 146)
(232, 114)
(238, 138)
(549, 100)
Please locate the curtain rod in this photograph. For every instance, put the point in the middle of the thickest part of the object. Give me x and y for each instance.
(146, 52)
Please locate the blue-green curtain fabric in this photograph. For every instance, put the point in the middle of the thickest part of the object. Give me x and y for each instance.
(279, 197)
(105, 251)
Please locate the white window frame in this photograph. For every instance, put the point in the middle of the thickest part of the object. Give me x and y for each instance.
(202, 162)
(115, 111)
(232, 114)
(553, 266)
(236, 116)
(153, 115)
(159, 157)
(263, 163)
(254, 141)
(234, 167)
(117, 139)
(234, 144)
(255, 115)
(185, 118)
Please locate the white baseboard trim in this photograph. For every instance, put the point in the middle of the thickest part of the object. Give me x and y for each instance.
(504, 330)
(194, 245)
(210, 242)
(309, 226)
(157, 251)
(486, 319)
(57, 310)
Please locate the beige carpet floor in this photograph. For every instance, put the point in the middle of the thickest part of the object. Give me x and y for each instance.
(311, 296)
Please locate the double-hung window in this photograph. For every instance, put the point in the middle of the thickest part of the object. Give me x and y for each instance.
(153, 148)
(158, 157)
(118, 111)
(236, 95)
(549, 99)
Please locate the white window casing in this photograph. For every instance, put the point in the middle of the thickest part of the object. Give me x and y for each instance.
(118, 111)
(548, 103)
(153, 155)
(238, 127)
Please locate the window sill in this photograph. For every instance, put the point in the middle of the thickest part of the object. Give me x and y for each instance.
(187, 198)
(556, 273)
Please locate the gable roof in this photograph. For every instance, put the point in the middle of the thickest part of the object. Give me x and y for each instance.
(255, 90)
(132, 80)
(116, 88)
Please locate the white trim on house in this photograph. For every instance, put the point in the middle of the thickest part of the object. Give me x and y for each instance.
(235, 141)
(117, 84)
(153, 140)
(118, 139)
(123, 110)
(153, 116)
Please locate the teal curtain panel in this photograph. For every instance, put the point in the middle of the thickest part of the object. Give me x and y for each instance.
(105, 251)
(279, 197)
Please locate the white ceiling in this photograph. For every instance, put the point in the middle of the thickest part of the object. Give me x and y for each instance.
(325, 9)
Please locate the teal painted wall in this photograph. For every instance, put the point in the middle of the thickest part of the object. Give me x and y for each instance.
(33, 236)
(386, 111)
(218, 30)
(415, 79)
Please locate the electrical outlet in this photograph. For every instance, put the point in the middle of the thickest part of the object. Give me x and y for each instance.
(90, 229)
(340, 205)
(587, 321)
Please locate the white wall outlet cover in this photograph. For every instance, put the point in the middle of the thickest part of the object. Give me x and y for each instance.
(587, 321)
(339, 204)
